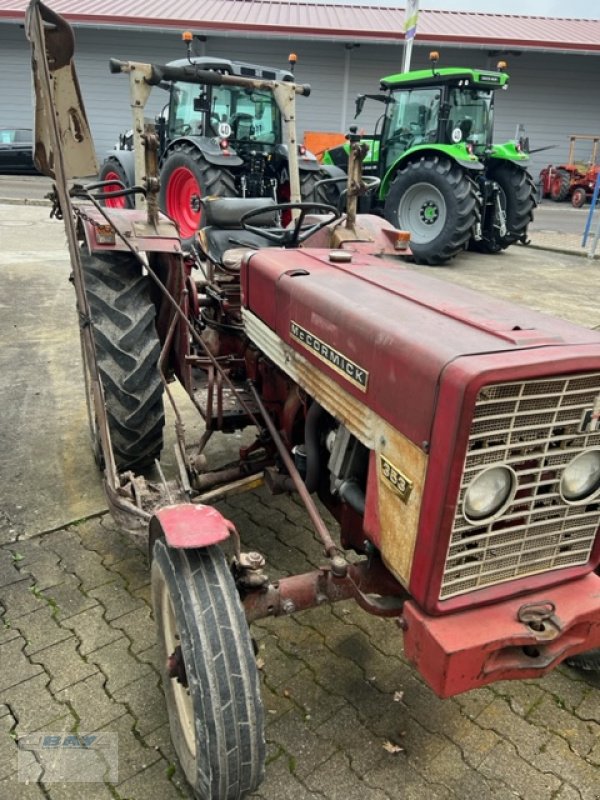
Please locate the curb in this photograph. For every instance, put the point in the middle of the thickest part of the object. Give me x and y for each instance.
(23, 201)
(564, 250)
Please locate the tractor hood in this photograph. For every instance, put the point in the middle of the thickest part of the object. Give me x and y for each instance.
(386, 334)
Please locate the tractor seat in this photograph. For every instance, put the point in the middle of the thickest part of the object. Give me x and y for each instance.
(226, 241)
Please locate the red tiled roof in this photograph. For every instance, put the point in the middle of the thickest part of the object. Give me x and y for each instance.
(322, 20)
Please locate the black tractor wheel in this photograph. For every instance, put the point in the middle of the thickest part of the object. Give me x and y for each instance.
(559, 185)
(210, 676)
(111, 170)
(328, 193)
(589, 661)
(185, 177)
(517, 196)
(434, 200)
(127, 349)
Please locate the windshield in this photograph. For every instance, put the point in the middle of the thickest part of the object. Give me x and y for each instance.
(412, 119)
(229, 112)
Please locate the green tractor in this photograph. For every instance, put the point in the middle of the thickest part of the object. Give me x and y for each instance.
(442, 178)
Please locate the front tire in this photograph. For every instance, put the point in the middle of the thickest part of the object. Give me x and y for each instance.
(519, 192)
(434, 200)
(589, 661)
(328, 193)
(127, 349)
(210, 676)
(186, 177)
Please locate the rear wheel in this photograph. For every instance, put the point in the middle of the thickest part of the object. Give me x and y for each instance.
(559, 185)
(210, 676)
(434, 200)
(328, 193)
(186, 177)
(111, 170)
(127, 348)
(579, 197)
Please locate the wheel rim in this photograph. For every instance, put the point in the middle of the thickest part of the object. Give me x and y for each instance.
(422, 211)
(183, 201)
(181, 696)
(113, 202)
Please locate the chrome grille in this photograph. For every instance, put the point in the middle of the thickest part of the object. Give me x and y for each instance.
(535, 427)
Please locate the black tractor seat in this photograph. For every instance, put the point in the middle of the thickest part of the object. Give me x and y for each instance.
(226, 242)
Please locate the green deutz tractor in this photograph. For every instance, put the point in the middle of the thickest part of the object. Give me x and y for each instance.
(442, 178)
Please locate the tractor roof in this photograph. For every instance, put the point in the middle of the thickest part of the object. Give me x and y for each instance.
(480, 79)
(228, 67)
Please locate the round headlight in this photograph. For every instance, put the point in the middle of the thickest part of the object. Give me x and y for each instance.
(489, 493)
(581, 477)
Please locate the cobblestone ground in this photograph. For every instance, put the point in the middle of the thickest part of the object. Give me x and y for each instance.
(77, 653)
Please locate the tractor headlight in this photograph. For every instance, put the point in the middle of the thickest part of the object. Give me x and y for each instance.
(489, 493)
(581, 477)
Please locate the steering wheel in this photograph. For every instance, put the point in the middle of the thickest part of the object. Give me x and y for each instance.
(298, 232)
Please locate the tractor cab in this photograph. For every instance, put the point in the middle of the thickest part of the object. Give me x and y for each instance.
(246, 117)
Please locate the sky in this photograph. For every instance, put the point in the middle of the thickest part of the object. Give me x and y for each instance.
(573, 9)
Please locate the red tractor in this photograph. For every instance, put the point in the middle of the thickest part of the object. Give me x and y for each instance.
(575, 179)
(454, 437)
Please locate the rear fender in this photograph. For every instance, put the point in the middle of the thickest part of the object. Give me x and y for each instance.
(96, 227)
(209, 148)
(189, 526)
(125, 159)
(455, 152)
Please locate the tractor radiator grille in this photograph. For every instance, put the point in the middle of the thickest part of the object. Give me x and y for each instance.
(536, 427)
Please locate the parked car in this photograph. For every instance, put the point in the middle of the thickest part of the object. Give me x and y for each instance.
(16, 150)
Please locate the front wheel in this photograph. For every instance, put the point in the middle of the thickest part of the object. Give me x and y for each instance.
(435, 200)
(210, 676)
(111, 170)
(589, 660)
(517, 197)
(185, 178)
(559, 185)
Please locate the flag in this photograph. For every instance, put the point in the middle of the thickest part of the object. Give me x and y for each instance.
(411, 15)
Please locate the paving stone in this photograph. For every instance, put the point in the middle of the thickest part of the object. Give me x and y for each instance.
(134, 571)
(8, 631)
(91, 703)
(119, 665)
(581, 735)
(145, 701)
(282, 784)
(336, 781)
(314, 703)
(69, 599)
(134, 755)
(18, 599)
(115, 599)
(160, 740)
(35, 707)
(528, 739)
(40, 629)
(92, 630)
(13, 788)
(45, 572)
(16, 668)
(64, 664)
(559, 758)
(143, 785)
(103, 537)
(364, 750)
(8, 746)
(589, 708)
(85, 791)
(306, 747)
(9, 572)
(504, 764)
(563, 685)
(139, 627)
(74, 558)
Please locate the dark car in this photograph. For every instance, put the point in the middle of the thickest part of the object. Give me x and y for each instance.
(16, 150)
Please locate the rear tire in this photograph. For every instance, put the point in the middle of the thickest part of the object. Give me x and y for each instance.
(559, 186)
(328, 193)
(127, 348)
(186, 177)
(434, 200)
(111, 170)
(210, 676)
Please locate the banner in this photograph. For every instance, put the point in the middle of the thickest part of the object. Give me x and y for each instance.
(411, 15)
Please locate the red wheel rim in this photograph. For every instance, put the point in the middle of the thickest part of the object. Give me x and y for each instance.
(183, 201)
(113, 202)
